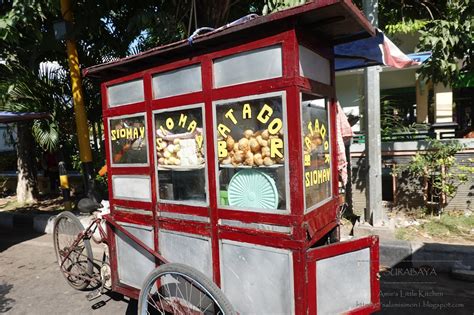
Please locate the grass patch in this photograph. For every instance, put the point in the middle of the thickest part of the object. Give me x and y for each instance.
(448, 227)
(45, 204)
(405, 234)
(10, 205)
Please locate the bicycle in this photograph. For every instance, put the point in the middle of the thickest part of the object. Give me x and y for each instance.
(171, 288)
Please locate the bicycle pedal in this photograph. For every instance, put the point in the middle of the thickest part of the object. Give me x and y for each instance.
(94, 294)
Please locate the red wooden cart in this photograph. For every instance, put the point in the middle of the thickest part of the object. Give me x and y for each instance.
(221, 155)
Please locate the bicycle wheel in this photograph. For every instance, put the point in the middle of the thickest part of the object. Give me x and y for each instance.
(78, 263)
(179, 289)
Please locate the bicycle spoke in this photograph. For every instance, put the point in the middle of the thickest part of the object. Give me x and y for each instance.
(73, 251)
(154, 304)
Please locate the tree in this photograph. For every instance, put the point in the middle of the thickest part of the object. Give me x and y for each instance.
(24, 91)
(446, 29)
(451, 42)
(440, 172)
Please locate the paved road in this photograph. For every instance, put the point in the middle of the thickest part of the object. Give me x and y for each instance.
(30, 283)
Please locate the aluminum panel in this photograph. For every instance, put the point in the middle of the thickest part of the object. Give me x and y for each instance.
(176, 82)
(134, 263)
(345, 277)
(131, 187)
(182, 216)
(314, 66)
(125, 93)
(257, 279)
(257, 226)
(255, 65)
(188, 249)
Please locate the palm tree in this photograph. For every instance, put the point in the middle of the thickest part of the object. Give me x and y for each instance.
(24, 91)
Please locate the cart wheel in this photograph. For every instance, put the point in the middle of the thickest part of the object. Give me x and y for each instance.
(79, 263)
(179, 289)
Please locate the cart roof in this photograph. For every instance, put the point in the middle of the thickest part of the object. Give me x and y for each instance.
(337, 21)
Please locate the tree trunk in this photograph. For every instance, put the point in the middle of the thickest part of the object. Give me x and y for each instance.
(27, 187)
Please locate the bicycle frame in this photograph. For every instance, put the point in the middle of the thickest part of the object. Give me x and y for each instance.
(88, 233)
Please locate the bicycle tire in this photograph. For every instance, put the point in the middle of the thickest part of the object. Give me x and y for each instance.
(66, 228)
(221, 304)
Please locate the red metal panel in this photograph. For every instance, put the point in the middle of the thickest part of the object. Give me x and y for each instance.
(311, 296)
(207, 81)
(103, 89)
(341, 248)
(271, 40)
(140, 205)
(126, 290)
(313, 87)
(260, 217)
(299, 279)
(184, 209)
(374, 272)
(295, 160)
(130, 217)
(130, 170)
(252, 88)
(191, 227)
(122, 110)
(194, 60)
(174, 102)
(319, 253)
(259, 238)
(317, 220)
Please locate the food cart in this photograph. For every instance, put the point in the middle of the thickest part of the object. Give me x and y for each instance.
(221, 154)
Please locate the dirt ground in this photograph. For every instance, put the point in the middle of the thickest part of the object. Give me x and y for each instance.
(44, 204)
(449, 228)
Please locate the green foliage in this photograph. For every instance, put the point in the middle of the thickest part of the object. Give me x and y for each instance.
(390, 119)
(24, 91)
(438, 167)
(278, 5)
(451, 41)
(405, 27)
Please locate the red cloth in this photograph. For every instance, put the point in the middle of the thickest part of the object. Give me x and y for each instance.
(343, 131)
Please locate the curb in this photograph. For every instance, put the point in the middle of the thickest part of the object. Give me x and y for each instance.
(40, 223)
(441, 257)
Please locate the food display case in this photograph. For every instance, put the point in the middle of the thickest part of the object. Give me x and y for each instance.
(222, 155)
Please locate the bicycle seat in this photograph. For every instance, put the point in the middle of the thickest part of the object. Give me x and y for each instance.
(87, 205)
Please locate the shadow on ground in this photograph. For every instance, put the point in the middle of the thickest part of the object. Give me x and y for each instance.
(5, 303)
(10, 237)
(422, 282)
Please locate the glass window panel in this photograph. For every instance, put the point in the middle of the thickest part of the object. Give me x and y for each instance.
(316, 150)
(255, 65)
(314, 66)
(251, 155)
(128, 140)
(131, 187)
(125, 93)
(180, 155)
(176, 82)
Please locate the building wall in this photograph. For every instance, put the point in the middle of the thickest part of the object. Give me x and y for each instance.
(408, 193)
(350, 88)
